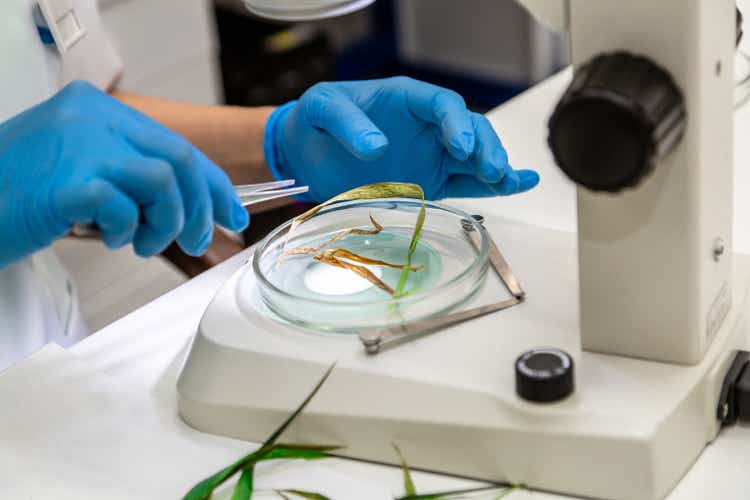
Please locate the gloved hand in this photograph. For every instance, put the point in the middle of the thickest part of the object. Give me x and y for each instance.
(342, 135)
(83, 157)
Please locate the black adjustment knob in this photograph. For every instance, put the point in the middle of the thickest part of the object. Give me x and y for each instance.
(738, 27)
(620, 113)
(544, 375)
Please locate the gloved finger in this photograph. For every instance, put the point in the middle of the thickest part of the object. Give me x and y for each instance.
(202, 181)
(152, 184)
(468, 186)
(98, 201)
(185, 162)
(333, 111)
(529, 180)
(488, 162)
(228, 210)
(198, 231)
(447, 110)
(489, 157)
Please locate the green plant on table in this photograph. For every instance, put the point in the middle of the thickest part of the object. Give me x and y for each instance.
(410, 491)
(269, 450)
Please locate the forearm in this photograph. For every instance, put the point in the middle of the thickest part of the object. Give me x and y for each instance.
(231, 136)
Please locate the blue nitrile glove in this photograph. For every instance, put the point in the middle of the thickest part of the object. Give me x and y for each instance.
(342, 135)
(83, 157)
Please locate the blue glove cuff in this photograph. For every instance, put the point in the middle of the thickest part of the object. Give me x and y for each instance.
(273, 152)
(271, 147)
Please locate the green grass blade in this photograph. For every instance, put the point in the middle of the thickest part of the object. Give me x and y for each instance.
(399, 291)
(316, 447)
(244, 488)
(428, 496)
(204, 489)
(510, 490)
(278, 432)
(304, 494)
(456, 494)
(303, 452)
(408, 481)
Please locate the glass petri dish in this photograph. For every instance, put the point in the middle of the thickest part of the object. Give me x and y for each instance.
(319, 296)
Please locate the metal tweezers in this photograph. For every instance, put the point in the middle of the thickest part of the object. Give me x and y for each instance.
(249, 194)
(374, 338)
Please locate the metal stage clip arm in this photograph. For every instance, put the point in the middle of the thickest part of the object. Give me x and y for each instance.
(374, 338)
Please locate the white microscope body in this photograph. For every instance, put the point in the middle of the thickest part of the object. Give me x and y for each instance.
(662, 309)
(654, 279)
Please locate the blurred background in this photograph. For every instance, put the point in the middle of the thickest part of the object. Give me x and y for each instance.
(214, 52)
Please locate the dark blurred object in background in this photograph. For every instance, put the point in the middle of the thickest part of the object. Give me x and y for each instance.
(487, 50)
(264, 63)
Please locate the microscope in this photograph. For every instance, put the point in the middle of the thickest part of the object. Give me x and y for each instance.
(657, 332)
(646, 131)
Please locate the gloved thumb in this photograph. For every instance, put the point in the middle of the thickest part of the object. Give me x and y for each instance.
(333, 111)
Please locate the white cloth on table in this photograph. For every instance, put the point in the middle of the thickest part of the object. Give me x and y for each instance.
(69, 432)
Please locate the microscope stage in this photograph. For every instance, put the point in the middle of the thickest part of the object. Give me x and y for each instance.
(630, 430)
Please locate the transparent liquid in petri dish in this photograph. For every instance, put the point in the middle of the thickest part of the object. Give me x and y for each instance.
(317, 295)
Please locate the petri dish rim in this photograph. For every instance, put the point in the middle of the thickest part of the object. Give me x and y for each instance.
(482, 254)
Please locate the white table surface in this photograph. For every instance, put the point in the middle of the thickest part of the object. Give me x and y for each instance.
(100, 420)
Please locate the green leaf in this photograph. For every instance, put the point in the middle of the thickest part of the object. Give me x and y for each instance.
(408, 482)
(204, 489)
(428, 496)
(455, 494)
(413, 291)
(510, 490)
(244, 488)
(304, 494)
(278, 432)
(412, 247)
(304, 452)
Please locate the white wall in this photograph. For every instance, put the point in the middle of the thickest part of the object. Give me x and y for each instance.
(169, 47)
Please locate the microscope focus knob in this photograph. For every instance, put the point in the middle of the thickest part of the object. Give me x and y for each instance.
(620, 114)
(544, 375)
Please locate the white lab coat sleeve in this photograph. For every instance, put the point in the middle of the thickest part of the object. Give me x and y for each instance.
(93, 58)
